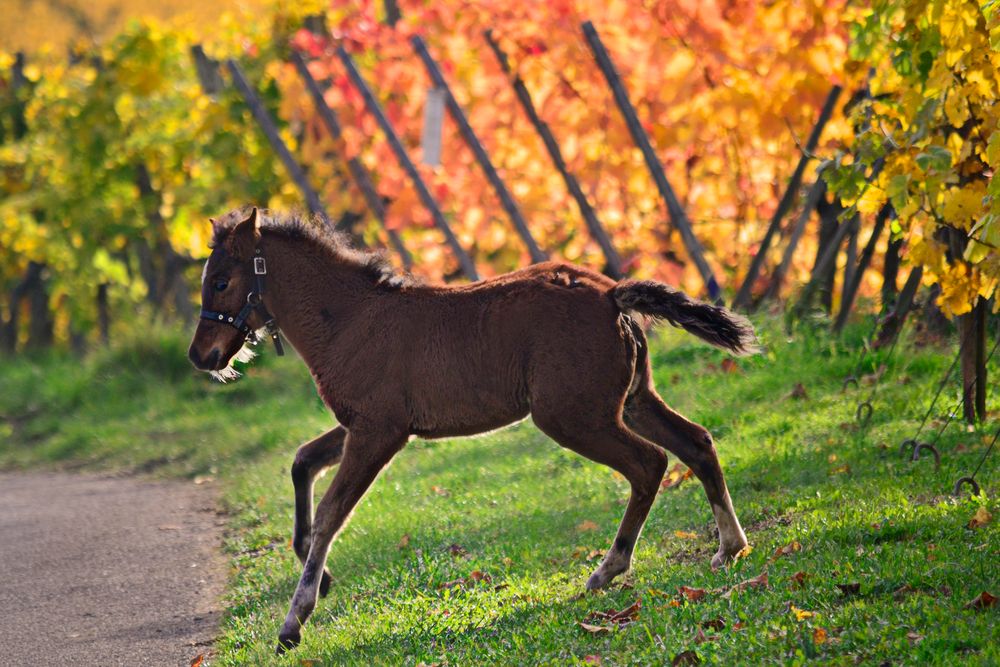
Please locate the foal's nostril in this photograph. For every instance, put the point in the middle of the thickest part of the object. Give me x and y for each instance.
(213, 360)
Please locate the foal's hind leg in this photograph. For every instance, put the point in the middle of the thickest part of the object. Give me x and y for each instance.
(311, 460)
(647, 414)
(643, 464)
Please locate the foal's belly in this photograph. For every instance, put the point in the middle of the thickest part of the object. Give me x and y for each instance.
(474, 425)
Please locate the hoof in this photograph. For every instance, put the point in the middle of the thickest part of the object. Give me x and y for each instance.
(286, 642)
(603, 576)
(725, 555)
(324, 583)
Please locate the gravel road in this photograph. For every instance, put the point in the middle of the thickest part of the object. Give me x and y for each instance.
(107, 570)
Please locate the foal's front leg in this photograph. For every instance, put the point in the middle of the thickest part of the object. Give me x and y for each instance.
(311, 460)
(367, 449)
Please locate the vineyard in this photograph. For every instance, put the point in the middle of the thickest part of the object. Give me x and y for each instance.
(825, 167)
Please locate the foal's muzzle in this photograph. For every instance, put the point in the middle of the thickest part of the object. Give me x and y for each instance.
(209, 363)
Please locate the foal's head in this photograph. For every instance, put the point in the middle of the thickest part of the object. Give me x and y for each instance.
(228, 284)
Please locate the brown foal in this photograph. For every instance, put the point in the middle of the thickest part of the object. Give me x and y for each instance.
(395, 359)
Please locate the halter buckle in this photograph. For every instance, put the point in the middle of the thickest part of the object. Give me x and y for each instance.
(259, 266)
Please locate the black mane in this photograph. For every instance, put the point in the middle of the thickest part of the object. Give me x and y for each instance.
(312, 229)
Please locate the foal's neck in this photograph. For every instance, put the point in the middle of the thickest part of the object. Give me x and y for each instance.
(313, 294)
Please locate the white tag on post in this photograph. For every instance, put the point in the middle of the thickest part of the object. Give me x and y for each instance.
(430, 139)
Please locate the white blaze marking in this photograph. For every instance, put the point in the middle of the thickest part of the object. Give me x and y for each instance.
(204, 272)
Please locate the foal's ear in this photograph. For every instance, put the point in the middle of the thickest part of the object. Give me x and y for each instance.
(244, 237)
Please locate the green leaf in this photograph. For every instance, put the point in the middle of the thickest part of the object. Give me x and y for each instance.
(937, 158)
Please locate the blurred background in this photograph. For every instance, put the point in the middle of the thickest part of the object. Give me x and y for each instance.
(808, 153)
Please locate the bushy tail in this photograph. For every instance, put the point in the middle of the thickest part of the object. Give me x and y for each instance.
(713, 324)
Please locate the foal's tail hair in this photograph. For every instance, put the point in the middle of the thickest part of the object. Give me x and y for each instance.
(713, 324)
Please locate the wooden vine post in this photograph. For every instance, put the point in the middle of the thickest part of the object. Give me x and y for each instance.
(374, 108)
(613, 261)
(472, 141)
(357, 170)
(743, 297)
(674, 208)
(972, 328)
(270, 130)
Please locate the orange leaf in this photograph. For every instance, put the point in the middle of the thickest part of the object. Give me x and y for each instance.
(692, 594)
(684, 534)
(404, 541)
(980, 518)
(819, 636)
(197, 660)
(790, 548)
(984, 600)
(586, 525)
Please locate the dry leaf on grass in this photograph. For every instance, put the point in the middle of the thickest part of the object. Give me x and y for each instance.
(760, 581)
(441, 491)
(404, 541)
(984, 600)
(799, 579)
(799, 392)
(586, 525)
(801, 614)
(714, 623)
(852, 588)
(592, 660)
(819, 636)
(594, 629)
(675, 476)
(980, 518)
(700, 637)
(457, 550)
(688, 657)
(692, 594)
(686, 535)
(197, 660)
(623, 617)
(790, 548)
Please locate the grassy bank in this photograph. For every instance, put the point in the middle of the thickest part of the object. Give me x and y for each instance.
(476, 551)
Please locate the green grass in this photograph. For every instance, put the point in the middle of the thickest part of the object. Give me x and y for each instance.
(799, 469)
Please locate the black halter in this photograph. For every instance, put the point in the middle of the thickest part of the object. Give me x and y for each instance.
(255, 301)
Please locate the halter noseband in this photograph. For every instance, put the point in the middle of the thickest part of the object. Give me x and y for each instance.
(255, 301)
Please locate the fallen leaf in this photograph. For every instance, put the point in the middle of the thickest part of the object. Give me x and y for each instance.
(914, 637)
(700, 637)
(674, 603)
(980, 518)
(739, 625)
(203, 479)
(799, 579)
(404, 541)
(760, 581)
(714, 623)
(982, 601)
(832, 458)
(692, 594)
(169, 526)
(675, 476)
(729, 365)
(852, 588)
(819, 636)
(586, 525)
(477, 576)
(801, 614)
(743, 553)
(440, 491)
(592, 660)
(790, 548)
(197, 660)
(594, 629)
(688, 657)
(799, 391)
(623, 617)
(454, 583)
(841, 470)
(686, 535)
(456, 550)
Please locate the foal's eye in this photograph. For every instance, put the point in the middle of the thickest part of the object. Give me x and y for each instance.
(221, 285)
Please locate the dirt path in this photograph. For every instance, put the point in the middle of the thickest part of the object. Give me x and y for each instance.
(107, 571)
